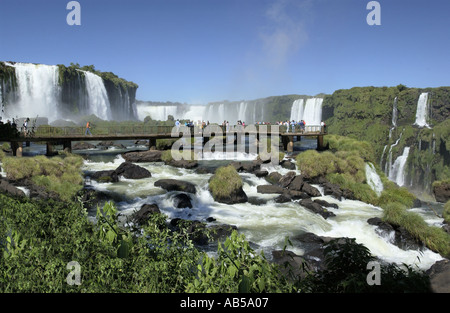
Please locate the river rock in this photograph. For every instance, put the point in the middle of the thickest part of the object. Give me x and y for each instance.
(326, 204)
(182, 200)
(141, 216)
(291, 265)
(175, 185)
(316, 208)
(132, 171)
(249, 167)
(296, 183)
(310, 190)
(7, 187)
(287, 165)
(143, 156)
(286, 179)
(273, 178)
(439, 275)
(108, 176)
(397, 235)
(261, 173)
(269, 189)
(188, 164)
(236, 196)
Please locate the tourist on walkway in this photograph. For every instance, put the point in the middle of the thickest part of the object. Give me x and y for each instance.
(88, 129)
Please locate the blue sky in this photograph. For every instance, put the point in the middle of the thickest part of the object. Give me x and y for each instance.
(198, 51)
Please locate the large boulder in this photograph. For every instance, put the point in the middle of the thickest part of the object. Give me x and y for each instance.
(248, 167)
(286, 179)
(226, 185)
(142, 216)
(441, 191)
(82, 146)
(108, 176)
(6, 187)
(175, 185)
(132, 171)
(182, 200)
(439, 275)
(143, 156)
(310, 190)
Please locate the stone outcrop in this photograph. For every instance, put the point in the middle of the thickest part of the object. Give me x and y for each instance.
(175, 185)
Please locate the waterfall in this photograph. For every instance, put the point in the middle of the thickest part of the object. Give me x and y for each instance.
(313, 111)
(394, 113)
(397, 173)
(38, 92)
(98, 96)
(422, 109)
(297, 110)
(388, 165)
(382, 156)
(158, 112)
(373, 179)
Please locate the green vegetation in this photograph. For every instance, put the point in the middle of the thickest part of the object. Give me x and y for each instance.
(225, 180)
(60, 174)
(446, 213)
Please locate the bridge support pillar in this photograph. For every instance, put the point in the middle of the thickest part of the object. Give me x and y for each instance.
(290, 145)
(67, 146)
(49, 149)
(16, 148)
(320, 142)
(151, 143)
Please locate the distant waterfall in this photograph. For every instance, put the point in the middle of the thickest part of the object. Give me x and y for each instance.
(98, 96)
(422, 110)
(157, 112)
(373, 179)
(394, 113)
(397, 173)
(38, 92)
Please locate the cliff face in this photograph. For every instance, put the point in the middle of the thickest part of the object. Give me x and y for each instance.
(64, 92)
(386, 117)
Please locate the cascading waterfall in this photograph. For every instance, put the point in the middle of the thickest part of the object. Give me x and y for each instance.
(382, 156)
(394, 113)
(38, 92)
(297, 110)
(388, 166)
(98, 96)
(157, 112)
(373, 179)
(422, 109)
(313, 111)
(397, 173)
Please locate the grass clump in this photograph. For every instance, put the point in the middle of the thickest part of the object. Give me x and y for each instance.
(446, 213)
(60, 174)
(225, 181)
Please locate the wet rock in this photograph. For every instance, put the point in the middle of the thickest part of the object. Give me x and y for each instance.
(143, 156)
(326, 204)
(132, 171)
(310, 190)
(141, 217)
(6, 187)
(109, 176)
(261, 173)
(175, 185)
(269, 189)
(316, 208)
(273, 178)
(439, 275)
(441, 191)
(188, 164)
(286, 179)
(287, 165)
(182, 200)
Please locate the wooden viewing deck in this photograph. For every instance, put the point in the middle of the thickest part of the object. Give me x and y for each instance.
(65, 135)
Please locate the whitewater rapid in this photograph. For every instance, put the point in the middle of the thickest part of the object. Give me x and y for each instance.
(263, 221)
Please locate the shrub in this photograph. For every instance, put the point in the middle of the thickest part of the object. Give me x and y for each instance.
(312, 163)
(225, 180)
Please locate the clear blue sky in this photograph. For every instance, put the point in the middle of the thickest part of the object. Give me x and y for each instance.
(197, 51)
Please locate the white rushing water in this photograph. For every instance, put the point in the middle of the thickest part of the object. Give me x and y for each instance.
(310, 112)
(297, 110)
(157, 112)
(38, 91)
(98, 96)
(397, 173)
(373, 179)
(266, 224)
(422, 110)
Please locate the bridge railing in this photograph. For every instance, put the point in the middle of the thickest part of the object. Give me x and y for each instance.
(50, 131)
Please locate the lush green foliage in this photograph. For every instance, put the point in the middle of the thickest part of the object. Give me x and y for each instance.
(446, 213)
